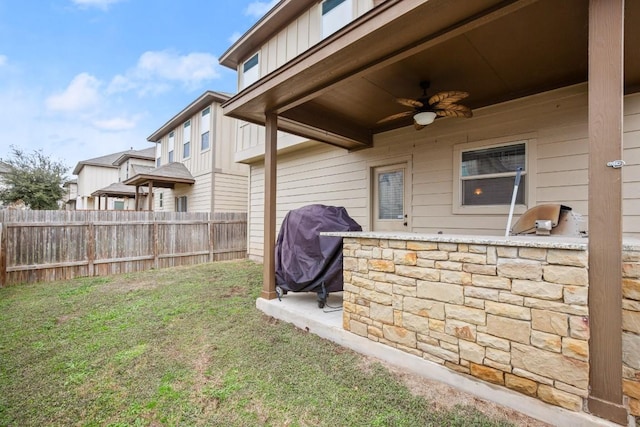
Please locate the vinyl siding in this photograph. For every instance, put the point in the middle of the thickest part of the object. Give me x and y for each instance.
(555, 123)
(296, 38)
(218, 159)
(230, 193)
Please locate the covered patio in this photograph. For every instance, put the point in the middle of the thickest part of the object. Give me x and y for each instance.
(165, 176)
(117, 190)
(497, 51)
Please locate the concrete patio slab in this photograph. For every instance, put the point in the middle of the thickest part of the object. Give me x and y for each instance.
(301, 309)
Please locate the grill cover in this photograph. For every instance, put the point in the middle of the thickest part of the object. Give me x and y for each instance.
(304, 259)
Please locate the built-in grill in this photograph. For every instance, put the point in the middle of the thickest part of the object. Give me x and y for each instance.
(550, 219)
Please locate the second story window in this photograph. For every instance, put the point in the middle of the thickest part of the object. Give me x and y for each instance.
(158, 154)
(251, 71)
(172, 142)
(204, 129)
(335, 15)
(186, 139)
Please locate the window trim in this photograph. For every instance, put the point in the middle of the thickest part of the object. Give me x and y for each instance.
(530, 142)
(186, 139)
(325, 33)
(171, 147)
(186, 206)
(205, 127)
(244, 70)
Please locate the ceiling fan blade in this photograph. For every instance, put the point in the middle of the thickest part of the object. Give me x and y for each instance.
(455, 110)
(446, 98)
(395, 116)
(417, 126)
(409, 102)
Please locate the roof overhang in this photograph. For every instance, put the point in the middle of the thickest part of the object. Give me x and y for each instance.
(117, 190)
(338, 90)
(165, 176)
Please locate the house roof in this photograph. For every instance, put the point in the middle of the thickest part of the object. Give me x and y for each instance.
(140, 169)
(166, 176)
(339, 89)
(118, 189)
(201, 102)
(4, 167)
(107, 161)
(146, 154)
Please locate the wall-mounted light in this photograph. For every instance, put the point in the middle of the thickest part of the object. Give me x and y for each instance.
(478, 191)
(424, 118)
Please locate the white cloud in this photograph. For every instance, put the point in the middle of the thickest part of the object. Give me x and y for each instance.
(157, 71)
(115, 124)
(100, 4)
(3, 60)
(81, 94)
(259, 8)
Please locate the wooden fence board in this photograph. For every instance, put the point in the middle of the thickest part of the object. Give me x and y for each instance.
(58, 245)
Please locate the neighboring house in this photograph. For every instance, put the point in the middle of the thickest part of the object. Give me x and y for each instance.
(550, 93)
(70, 194)
(4, 169)
(96, 175)
(195, 169)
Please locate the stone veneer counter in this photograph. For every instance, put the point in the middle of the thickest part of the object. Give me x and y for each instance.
(512, 311)
(551, 242)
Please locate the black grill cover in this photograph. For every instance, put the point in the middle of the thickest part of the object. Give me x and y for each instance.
(304, 259)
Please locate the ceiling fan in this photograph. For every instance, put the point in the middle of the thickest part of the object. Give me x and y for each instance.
(427, 109)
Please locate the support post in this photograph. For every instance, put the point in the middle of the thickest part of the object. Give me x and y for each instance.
(3, 255)
(150, 196)
(606, 43)
(270, 168)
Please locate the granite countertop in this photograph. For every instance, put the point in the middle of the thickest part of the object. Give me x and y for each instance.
(549, 242)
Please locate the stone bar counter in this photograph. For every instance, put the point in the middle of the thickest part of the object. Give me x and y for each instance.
(510, 311)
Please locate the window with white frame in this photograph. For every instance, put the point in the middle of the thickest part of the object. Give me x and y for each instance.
(204, 129)
(161, 199)
(158, 154)
(251, 70)
(487, 174)
(186, 139)
(335, 15)
(181, 204)
(172, 142)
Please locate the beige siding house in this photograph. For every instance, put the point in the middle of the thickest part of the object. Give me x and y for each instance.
(70, 194)
(195, 168)
(95, 176)
(431, 274)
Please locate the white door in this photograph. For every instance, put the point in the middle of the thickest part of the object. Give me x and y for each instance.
(390, 198)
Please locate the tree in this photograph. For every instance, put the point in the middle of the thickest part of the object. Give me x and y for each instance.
(33, 178)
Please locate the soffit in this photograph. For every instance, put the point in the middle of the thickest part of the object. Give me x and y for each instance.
(495, 50)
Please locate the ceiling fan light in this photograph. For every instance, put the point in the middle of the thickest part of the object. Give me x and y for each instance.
(424, 118)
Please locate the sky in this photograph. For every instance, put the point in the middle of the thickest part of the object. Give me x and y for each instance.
(84, 78)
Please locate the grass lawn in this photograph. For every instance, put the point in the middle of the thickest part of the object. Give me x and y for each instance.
(185, 346)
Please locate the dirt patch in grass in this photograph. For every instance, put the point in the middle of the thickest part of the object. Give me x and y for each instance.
(123, 285)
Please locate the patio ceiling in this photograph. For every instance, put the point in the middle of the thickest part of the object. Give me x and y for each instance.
(496, 50)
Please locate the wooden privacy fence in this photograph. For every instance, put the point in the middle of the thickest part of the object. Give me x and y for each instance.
(40, 246)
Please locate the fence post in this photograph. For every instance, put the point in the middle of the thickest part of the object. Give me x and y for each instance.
(91, 250)
(156, 262)
(3, 255)
(211, 229)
